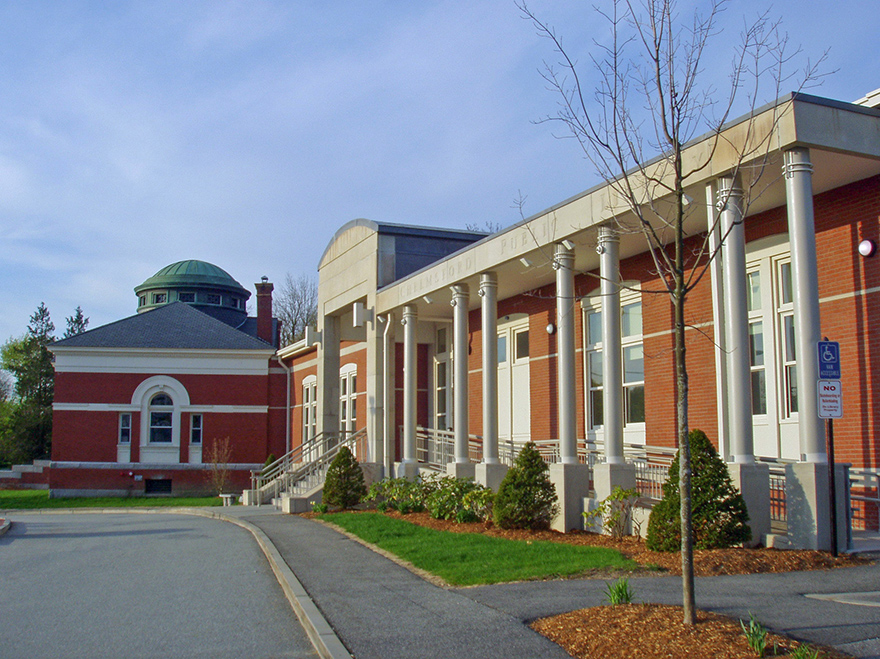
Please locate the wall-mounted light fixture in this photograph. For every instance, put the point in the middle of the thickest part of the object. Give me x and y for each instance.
(568, 244)
(867, 247)
(525, 262)
(551, 329)
(428, 299)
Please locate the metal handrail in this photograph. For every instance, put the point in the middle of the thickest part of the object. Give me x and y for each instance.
(302, 468)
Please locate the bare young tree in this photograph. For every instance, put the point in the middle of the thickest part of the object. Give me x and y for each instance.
(296, 305)
(652, 97)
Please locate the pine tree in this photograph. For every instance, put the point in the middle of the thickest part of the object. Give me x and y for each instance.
(76, 324)
(27, 431)
(720, 517)
(344, 485)
(526, 498)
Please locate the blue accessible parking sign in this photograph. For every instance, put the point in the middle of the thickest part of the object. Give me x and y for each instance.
(829, 360)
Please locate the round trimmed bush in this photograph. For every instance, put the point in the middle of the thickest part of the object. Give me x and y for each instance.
(526, 498)
(718, 511)
(344, 484)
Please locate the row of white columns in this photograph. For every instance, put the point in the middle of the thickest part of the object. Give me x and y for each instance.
(802, 237)
(728, 202)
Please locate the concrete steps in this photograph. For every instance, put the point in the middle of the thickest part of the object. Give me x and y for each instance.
(26, 477)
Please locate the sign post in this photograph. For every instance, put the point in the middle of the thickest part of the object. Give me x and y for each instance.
(830, 408)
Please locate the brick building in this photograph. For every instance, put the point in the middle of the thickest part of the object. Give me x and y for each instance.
(552, 330)
(141, 403)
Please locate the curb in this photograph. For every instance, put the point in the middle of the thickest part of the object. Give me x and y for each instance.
(4, 525)
(319, 631)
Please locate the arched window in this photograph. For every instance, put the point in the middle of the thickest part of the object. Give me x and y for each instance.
(161, 418)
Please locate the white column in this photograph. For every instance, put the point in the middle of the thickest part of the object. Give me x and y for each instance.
(805, 284)
(489, 294)
(565, 305)
(612, 361)
(410, 321)
(328, 378)
(375, 382)
(736, 315)
(460, 299)
(388, 344)
(717, 271)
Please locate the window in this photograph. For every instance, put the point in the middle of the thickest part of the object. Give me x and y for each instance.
(212, 298)
(502, 348)
(187, 297)
(756, 344)
(310, 408)
(522, 344)
(195, 429)
(788, 351)
(442, 382)
(160, 298)
(125, 428)
(142, 300)
(161, 419)
(348, 398)
(633, 361)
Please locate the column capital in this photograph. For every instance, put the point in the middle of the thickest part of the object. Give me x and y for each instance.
(488, 282)
(409, 312)
(460, 293)
(608, 234)
(797, 161)
(728, 191)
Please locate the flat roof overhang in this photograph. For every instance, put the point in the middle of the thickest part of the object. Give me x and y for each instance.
(844, 143)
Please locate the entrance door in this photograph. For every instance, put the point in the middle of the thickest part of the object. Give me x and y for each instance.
(514, 392)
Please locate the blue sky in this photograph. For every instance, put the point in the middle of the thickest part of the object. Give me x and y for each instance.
(137, 134)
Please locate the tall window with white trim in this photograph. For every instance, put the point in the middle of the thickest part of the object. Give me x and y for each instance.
(161, 419)
(442, 381)
(633, 365)
(348, 398)
(309, 408)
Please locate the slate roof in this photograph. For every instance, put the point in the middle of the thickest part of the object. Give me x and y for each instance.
(172, 326)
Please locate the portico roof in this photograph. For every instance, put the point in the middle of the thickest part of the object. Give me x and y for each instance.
(844, 143)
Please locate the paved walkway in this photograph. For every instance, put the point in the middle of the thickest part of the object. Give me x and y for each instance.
(380, 610)
(352, 600)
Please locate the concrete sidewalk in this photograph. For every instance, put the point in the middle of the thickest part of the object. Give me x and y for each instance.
(381, 610)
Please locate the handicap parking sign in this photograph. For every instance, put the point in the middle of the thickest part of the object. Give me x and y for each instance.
(829, 360)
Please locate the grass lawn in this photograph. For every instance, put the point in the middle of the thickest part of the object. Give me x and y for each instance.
(467, 559)
(35, 499)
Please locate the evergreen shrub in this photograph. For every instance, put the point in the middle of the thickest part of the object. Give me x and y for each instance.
(344, 485)
(526, 498)
(718, 511)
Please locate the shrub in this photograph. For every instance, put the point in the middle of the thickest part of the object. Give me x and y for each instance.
(615, 513)
(400, 494)
(718, 512)
(269, 460)
(448, 499)
(526, 498)
(344, 485)
(478, 503)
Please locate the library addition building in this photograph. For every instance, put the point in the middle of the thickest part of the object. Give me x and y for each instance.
(444, 350)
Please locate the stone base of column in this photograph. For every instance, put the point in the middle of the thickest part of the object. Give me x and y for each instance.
(490, 475)
(372, 472)
(572, 482)
(407, 470)
(605, 478)
(461, 470)
(808, 508)
(753, 482)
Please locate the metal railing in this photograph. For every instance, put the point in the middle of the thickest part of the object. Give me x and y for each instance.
(304, 467)
(865, 497)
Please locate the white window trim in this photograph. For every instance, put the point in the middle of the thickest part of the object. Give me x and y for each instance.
(634, 432)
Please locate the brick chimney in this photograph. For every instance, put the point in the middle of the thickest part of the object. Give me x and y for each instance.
(264, 310)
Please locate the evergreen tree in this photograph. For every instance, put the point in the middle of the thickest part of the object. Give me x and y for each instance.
(344, 485)
(526, 498)
(76, 324)
(720, 517)
(27, 431)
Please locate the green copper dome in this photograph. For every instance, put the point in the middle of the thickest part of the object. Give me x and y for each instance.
(192, 273)
(198, 283)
